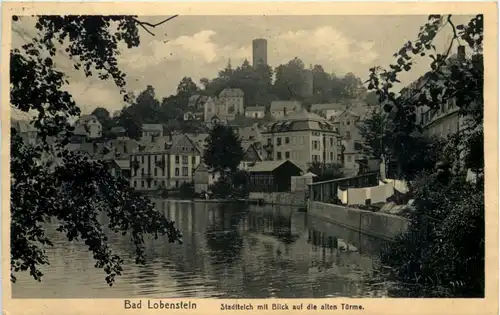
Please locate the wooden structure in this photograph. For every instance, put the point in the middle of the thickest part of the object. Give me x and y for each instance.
(327, 190)
(273, 176)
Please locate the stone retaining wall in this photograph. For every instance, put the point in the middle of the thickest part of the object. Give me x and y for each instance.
(376, 224)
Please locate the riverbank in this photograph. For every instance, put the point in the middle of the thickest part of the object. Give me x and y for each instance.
(381, 225)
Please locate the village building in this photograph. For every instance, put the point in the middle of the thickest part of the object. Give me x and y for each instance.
(329, 110)
(119, 168)
(150, 132)
(185, 155)
(273, 176)
(119, 132)
(257, 112)
(232, 103)
(280, 109)
(204, 178)
(303, 138)
(149, 166)
(121, 148)
(251, 156)
(352, 155)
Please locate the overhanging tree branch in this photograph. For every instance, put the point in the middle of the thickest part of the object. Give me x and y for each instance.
(144, 24)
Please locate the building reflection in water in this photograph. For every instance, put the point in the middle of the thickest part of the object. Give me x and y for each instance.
(233, 251)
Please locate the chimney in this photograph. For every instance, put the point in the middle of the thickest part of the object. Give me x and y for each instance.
(461, 53)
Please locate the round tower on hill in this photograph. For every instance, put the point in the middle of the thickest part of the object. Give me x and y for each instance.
(259, 51)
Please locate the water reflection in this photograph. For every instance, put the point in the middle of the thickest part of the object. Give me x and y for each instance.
(229, 251)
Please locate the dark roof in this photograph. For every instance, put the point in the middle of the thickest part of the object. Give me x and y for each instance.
(268, 166)
(301, 120)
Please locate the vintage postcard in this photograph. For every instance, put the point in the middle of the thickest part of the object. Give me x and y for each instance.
(250, 157)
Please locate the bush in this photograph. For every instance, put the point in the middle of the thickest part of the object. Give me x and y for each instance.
(442, 252)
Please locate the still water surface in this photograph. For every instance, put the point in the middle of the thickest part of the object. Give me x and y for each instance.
(229, 251)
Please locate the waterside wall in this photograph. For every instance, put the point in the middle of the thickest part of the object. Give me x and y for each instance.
(281, 198)
(375, 224)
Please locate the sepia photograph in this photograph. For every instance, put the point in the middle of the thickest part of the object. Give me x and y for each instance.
(247, 156)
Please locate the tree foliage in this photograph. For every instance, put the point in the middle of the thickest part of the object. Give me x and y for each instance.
(223, 152)
(442, 252)
(50, 183)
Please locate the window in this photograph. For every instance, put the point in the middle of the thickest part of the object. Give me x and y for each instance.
(287, 155)
(287, 140)
(339, 157)
(331, 156)
(176, 159)
(349, 158)
(155, 183)
(348, 122)
(278, 155)
(163, 171)
(176, 171)
(176, 183)
(184, 159)
(156, 171)
(142, 159)
(278, 141)
(135, 183)
(348, 134)
(185, 171)
(193, 160)
(331, 142)
(142, 183)
(166, 146)
(142, 171)
(315, 144)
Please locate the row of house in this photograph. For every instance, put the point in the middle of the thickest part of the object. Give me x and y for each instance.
(171, 161)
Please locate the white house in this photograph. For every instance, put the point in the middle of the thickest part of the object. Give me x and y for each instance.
(255, 112)
(281, 109)
(151, 132)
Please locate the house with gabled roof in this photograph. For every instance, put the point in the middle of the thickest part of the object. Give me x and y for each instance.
(251, 155)
(255, 112)
(185, 155)
(329, 110)
(203, 178)
(273, 176)
(281, 109)
(149, 165)
(151, 131)
(231, 102)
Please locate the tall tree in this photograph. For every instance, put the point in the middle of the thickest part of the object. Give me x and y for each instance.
(187, 87)
(76, 190)
(289, 81)
(322, 85)
(223, 152)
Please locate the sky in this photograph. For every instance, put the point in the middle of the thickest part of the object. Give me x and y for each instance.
(200, 46)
